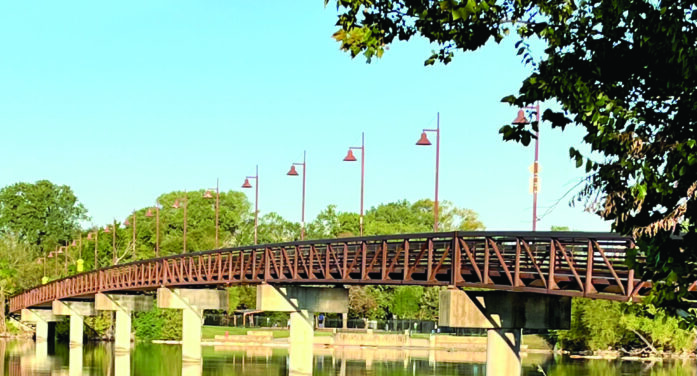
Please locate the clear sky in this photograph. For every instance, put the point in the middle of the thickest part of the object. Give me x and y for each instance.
(126, 100)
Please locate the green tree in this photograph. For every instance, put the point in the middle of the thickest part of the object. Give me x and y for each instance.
(17, 270)
(41, 213)
(623, 70)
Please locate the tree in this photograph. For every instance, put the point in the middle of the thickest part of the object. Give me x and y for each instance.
(623, 70)
(17, 270)
(41, 213)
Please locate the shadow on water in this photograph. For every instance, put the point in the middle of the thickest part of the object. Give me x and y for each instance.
(21, 358)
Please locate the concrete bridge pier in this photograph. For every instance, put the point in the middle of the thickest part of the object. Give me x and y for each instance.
(192, 302)
(504, 315)
(77, 312)
(41, 319)
(124, 306)
(301, 302)
(44, 320)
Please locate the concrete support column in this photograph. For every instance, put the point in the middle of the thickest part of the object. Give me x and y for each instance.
(192, 302)
(192, 321)
(503, 352)
(122, 331)
(302, 336)
(41, 331)
(77, 312)
(344, 320)
(77, 326)
(124, 306)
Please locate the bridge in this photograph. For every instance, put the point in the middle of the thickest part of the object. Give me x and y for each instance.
(575, 264)
(543, 269)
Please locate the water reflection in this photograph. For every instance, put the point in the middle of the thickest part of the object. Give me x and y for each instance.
(21, 358)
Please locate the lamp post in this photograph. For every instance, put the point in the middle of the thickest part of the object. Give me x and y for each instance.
(157, 226)
(113, 241)
(521, 119)
(208, 195)
(351, 158)
(96, 244)
(423, 141)
(182, 204)
(294, 172)
(127, 223)
(79, 264)
(246, 184)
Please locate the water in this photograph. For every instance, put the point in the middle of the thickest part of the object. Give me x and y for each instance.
(24, 358)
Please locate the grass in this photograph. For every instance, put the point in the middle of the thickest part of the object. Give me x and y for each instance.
(209, 332)
(535, 342)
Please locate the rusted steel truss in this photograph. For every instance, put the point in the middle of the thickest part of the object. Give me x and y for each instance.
(561, 263)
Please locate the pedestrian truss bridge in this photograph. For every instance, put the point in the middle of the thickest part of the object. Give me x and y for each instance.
(578, 264)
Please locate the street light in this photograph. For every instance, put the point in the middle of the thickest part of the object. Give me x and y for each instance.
(182, 204)
(112, 231)
(423, 141)
(521, 119)
(246, 184)
(79, 264)
(208, 195)
(149, 214)
(96, 244)
(293, 172)
(351, 158)
(127, 223)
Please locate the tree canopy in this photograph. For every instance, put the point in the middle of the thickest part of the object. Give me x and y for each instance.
(40, 213)
(625, 71)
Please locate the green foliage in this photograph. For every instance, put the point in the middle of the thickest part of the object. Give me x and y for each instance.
(405, 301)
(602, 324)
(164, 324)
(242, 297)
(100, 325)
(42, 213)
(624, 71)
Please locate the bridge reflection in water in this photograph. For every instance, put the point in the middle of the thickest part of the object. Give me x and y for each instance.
(158, 360)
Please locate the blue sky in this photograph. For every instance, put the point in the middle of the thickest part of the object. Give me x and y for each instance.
(125, 101)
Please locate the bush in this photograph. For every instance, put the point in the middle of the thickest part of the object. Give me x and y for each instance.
(163, 324)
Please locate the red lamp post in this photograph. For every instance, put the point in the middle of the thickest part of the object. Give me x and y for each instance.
(246, 184)
(127, 223)
(182, 204)
(96, 245)
(149, 214)
(521, 119)
(423, 141)
(209, 195)
(294, 172)
(112, 231)
(351, 158)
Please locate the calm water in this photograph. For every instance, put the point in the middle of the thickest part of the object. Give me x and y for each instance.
(24, 358)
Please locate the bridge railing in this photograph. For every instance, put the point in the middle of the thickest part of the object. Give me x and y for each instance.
(563, 263)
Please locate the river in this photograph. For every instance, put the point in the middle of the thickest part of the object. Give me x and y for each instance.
(24, 358)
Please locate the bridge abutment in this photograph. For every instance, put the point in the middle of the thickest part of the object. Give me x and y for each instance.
(77, 312)
(302, 303)
(123, 306)
(504, 315)
(192, 302)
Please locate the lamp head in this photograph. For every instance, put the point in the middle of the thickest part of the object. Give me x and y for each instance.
(246, 184)
(208, 194)
(176, 204)
(148, 213)
(350, 157)
(423, 140)
(521, 119)
(292, 171)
